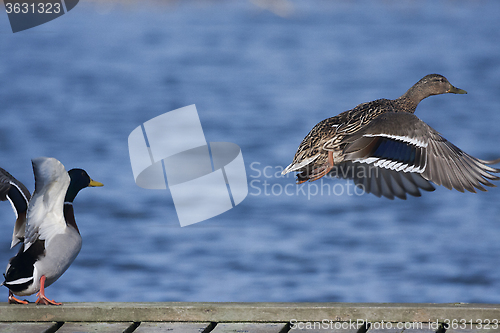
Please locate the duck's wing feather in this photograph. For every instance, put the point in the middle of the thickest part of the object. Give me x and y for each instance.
(382, 182)
(45, 217)
(300, 165)
(19, 272)
(18, 195)
(402, 143)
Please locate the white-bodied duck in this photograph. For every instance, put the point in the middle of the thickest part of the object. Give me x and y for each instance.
(45, 226)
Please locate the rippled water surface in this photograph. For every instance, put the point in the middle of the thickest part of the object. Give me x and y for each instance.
(76, 87)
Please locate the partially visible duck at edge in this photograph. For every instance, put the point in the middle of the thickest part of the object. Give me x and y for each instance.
(45, 227)
(388, 151)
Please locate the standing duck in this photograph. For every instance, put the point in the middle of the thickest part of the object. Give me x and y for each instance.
(386, 150)
(45, 226)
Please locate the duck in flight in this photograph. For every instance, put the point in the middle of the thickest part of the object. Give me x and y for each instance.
(45, 227)
(388, 151)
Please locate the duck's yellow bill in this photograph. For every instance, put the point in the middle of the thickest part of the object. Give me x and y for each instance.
(93, 183)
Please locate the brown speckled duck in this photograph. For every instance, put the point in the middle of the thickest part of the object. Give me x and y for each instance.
(387, 150)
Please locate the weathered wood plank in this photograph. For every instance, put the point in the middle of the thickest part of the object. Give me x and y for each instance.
(94, 327)
(246, 312)
(403, 327)
(26, 327)
(386, 330)
(150, 327)
(249, 328)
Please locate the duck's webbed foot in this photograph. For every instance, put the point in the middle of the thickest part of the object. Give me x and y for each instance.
(14, 300)
(42, 299)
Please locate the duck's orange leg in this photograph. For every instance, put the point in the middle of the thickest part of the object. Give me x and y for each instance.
(325, 170)
(42, 299)
(14, 300)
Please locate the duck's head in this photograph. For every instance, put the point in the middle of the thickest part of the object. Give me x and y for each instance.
(79, 180)
(432, 84)
(436, 84)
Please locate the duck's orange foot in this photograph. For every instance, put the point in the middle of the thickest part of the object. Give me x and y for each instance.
(42, 299)
(14, 300)
(317, 172)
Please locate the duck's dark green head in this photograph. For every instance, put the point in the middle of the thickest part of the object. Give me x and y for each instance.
(79, 180)
(436, 84)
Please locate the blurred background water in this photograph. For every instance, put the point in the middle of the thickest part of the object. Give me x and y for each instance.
(261, 74)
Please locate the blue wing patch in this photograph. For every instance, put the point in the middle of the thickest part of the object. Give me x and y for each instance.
(395, 150)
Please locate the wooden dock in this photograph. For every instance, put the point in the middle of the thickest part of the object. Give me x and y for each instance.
(251, 318)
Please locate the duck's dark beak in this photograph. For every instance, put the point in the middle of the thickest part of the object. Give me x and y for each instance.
(455, 90)
(93, 183)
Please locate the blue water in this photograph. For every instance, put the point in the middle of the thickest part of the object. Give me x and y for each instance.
(76, 87)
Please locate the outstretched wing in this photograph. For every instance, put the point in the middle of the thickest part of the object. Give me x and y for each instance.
(382, 182)
(400, 143)
(18, 195)
(45, 210)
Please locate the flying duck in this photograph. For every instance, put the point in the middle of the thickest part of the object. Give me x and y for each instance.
(388, 151)
(45, 226)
